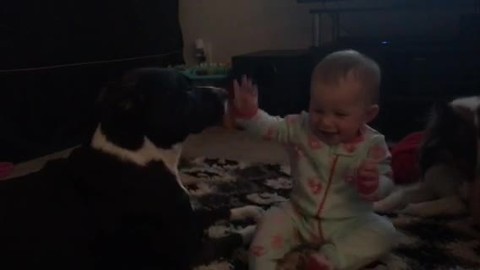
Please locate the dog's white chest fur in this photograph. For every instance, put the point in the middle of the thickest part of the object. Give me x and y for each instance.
(147, 153)
(470, 103)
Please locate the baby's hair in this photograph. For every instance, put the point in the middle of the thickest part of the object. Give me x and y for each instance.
(340, 64)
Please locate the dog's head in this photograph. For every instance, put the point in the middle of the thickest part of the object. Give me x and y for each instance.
(452, 136)
(159, 104)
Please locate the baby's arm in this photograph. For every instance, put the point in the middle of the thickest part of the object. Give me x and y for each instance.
(248, 115)
(374, 177)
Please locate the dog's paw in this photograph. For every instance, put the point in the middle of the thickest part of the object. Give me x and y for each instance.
(392, 203)
(247, 212)
(382, 208)
(410, 210)
(416, 210)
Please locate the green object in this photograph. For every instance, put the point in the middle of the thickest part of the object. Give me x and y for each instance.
(194, 75)
(206, 72)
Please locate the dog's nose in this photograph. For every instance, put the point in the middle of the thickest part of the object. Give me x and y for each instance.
(221, 92)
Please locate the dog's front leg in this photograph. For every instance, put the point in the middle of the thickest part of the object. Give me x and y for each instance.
(451, 205)
(475, 201)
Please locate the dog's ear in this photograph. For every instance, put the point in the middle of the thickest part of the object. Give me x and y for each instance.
(441, 108)
(441, 114)
(121, 94)
(120, 109)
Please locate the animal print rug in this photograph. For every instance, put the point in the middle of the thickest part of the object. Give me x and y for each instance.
(440, 243)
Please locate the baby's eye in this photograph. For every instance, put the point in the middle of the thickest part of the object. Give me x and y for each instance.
(341, 114)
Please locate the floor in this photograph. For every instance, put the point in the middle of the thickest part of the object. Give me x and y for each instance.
(212, 143)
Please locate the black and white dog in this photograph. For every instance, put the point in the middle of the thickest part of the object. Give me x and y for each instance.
(118, 202)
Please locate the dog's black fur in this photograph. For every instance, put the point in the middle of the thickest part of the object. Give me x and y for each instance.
(100, 210)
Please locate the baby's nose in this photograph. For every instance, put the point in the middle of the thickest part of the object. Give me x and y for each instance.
(326, 122)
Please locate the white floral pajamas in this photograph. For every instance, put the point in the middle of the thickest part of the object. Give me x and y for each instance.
(325, 209)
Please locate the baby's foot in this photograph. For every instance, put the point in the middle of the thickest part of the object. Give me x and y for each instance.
(245, 212)
(318, 262)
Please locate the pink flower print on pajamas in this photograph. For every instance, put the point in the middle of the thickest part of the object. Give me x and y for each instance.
(377, 153)
(314, 143)
(270, 134)
(315, 185)
(350, 175)
(349, 178)
(367, 185)
(316, 239)
(299, 154)
(292, 119)
(352, 146)
(277, 241)
(258, 251)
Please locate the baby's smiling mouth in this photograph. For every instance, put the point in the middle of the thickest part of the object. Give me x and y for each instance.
(327, 136)
(327, 133)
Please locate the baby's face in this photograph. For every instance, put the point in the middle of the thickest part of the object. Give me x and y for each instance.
(339, 111)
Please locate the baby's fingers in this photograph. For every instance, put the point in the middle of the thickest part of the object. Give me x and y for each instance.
(236, 85)
(368, 176)
(250, 84)
(370, 165)
(255, 91)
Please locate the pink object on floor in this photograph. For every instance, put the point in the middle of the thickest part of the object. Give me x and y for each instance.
(318, 262)
(405, 159)
(5, 169)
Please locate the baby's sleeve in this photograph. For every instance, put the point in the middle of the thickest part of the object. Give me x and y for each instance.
(272, 128)
(379, 152)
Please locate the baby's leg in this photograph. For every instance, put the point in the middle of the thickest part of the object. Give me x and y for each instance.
(357, 242)
(276, 235)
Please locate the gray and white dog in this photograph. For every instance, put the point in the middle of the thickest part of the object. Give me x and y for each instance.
(448, 162)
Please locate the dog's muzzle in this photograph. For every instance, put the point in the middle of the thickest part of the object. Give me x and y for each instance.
(221, 92)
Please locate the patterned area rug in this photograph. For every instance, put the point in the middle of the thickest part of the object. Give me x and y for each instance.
(440, 243)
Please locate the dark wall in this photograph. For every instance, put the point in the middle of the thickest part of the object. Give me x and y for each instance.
(45, 107)
(35, 33)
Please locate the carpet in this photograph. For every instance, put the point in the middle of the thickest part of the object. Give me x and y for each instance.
(431, 244)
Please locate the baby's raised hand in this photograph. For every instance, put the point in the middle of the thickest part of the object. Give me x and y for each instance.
(245, 101)
(367, 179)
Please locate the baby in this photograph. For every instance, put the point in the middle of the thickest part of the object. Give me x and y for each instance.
(339, 167)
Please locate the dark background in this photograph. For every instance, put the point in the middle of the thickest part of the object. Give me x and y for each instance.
(45, 107)
(417, 70)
